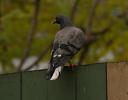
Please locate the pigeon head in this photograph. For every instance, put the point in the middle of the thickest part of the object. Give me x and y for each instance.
(63, 21)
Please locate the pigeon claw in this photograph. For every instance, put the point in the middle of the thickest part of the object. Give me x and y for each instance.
(71, 66)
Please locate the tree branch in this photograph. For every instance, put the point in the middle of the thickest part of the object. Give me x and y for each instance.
(94, 37)
(31, 34)
(40, 56)
(91, 16)
(74, 9)
(89, 31)
(102, 32)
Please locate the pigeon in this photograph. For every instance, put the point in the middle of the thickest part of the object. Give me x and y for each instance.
(67, 43)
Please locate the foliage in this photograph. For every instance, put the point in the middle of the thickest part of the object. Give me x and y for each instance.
(15, 23)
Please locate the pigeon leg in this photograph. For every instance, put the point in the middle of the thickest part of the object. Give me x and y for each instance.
(71, 66)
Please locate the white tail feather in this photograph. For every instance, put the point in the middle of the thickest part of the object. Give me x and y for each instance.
(56, 73)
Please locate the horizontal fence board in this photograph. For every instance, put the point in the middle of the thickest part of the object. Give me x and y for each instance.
(91, 82)
(10, 87)
(117, 80)
(83, 83)
(63, 88)
(34, 86)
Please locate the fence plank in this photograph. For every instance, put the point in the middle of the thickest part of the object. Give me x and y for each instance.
(63, 88)
(91, 82)
(86, 82)
(34, 86)
(117, 76)
(10, 87)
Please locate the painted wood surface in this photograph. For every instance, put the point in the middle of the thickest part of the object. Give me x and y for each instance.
(10, 87)
(83, 83)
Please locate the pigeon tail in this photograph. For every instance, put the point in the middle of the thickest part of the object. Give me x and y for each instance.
(56, 73)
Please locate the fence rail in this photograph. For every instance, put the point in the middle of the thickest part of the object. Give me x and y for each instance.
(90, 82)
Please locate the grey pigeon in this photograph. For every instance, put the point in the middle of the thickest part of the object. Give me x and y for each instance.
(68, 41)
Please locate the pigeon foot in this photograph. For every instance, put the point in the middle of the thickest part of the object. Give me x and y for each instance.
(71, 66)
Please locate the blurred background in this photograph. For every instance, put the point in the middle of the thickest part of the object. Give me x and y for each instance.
(27, 32)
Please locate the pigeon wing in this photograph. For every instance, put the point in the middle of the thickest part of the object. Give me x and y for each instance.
(67, 43)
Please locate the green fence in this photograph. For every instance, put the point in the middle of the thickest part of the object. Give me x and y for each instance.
(84, 83)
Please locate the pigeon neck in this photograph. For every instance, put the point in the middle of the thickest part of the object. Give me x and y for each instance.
(63, 25)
